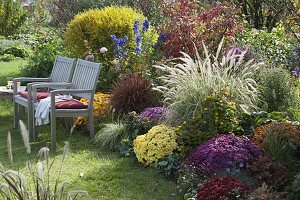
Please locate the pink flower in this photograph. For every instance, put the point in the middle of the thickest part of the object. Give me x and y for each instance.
(103, 50)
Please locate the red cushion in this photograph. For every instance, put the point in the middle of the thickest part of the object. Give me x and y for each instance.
(39, 95)
(70, 104)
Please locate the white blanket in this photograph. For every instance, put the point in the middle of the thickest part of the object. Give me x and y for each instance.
(43, 108)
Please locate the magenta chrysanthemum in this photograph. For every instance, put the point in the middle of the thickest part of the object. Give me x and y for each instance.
(224, 152)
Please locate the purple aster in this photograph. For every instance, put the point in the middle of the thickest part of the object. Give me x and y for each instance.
(154, 113)
(224, 152)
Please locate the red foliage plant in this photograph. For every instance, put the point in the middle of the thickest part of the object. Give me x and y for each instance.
(225, 187)
(132, 93)
(267, 170)
(188, 25)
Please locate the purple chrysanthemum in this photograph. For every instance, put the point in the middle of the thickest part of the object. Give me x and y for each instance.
(154, 113)
(224, 152)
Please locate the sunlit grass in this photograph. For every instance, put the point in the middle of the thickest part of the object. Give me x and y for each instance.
(105, 175)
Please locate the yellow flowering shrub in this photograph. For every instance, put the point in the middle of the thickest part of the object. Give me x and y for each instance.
(101, 106)
(159, 142)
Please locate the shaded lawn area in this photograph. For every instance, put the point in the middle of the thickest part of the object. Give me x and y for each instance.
(10, 69)
(106, 175)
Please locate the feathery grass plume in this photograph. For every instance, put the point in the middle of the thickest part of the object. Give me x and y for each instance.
(1, 167)
(44, 152)
(40, 171)
(110, 135)
(186, 83)
(29, 167)
(25, 136)
(9, 147)
(64, 155)
(62, 189)
(16, 182)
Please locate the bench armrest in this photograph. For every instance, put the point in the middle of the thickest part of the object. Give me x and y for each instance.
(27, 79)
(33, 89)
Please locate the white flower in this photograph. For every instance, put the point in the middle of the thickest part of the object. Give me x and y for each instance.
(103, 50)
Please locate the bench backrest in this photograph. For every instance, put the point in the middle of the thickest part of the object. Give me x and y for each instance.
(86, 76)
(63, 69)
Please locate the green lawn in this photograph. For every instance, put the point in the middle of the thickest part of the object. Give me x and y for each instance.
(106, 175)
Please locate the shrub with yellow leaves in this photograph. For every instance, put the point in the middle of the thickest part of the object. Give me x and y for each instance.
(101, 106)
(159, 142)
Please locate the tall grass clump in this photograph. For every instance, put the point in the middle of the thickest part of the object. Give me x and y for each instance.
(38, 183)
(110, 136)
(187, 82)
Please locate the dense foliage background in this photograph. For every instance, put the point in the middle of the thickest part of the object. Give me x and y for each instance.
(203, 91)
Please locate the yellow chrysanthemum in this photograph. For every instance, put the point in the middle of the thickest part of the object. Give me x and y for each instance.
(159, 142)
(101, 105)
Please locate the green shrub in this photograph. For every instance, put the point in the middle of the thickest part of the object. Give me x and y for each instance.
(112, 29)
(219, 115)
(190, 135)
(96, 27)
(7, 57)
(272, 47)
(169, 165)
(151, 9)
(294, 190)
(63, 11)
(14, 46)
(17, 51)
(136, 125)
(277, 90)
(12, 17)
(41, 61)
(279, 148)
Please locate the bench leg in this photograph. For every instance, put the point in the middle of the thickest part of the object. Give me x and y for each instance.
(53, 131)
(91, 125)
(30, 118)
(68, 123)
(16, 115)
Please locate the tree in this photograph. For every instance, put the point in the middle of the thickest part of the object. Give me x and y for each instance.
(12, 17)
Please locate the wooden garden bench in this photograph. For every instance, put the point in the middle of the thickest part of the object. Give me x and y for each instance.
(62, 71)
(83, 85)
